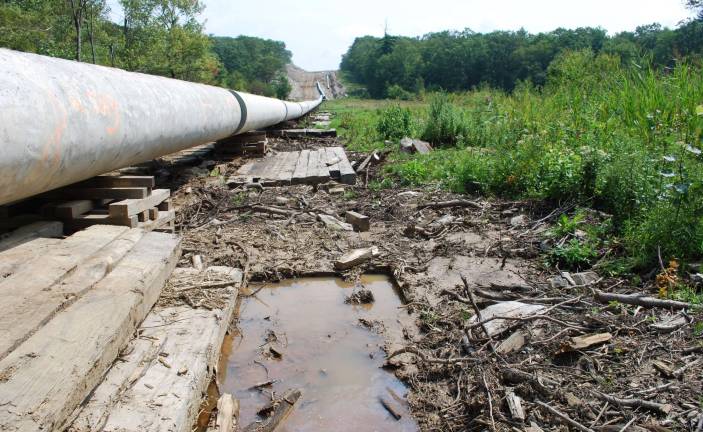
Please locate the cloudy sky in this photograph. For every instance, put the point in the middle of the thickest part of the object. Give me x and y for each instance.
(318, 32)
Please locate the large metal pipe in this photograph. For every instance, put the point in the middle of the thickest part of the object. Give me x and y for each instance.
(62, 121)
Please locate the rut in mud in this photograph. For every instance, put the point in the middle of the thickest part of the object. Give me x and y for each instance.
(304, 334)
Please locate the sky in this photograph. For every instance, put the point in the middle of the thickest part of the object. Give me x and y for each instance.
(318, 32)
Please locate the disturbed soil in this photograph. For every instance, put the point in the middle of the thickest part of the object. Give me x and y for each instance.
(304, 84)
(453, 256)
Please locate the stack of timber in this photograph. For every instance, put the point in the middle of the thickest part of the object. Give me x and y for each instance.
(298, 167)
(160, 379)
(188, 157)
(129, 201)
(248, 143)
(69, 307)
(88, 346)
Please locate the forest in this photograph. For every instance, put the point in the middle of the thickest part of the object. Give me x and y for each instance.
(160, 37)
(398, 67)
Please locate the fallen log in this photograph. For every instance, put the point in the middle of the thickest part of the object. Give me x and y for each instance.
(640, 300)
(281, 409)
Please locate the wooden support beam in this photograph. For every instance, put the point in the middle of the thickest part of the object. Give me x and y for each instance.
(26, 309)
(98, 193)
(107, 181)
(73, 209)
(161, 395)
(30, 232)
(125, 209)
(347, 175)
(48, 376)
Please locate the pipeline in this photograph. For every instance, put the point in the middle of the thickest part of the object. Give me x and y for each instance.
(63, 121)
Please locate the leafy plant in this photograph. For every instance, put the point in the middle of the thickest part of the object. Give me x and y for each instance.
(573, 255)
(445, 124)
(394, 123)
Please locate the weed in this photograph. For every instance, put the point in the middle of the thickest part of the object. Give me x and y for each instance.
(573, 255)
(394, 123)
(239, 199)
(566, 225)
(378, 185)
(698, 329)
(349, 194)
(445, 125)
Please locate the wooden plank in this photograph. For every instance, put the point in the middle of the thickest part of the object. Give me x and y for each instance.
(133, 362)
(259, 169)
(356, 257)
(511, 309)
(52, 266)
(273, 165)
(163, 219)
(125, 209)
(285, 172)
(166, 205)
(99, 193)
(73, 209)
(25, 311)
(245, 169)
(347, 175)
(316, 173)
(30, 232)
(227, 413)
(19, 221)
(333, 162)
(13, 259)
(153, 213)
(165, 396)
(108, 181)
(301, 168)
(85, 221)
(50, 374)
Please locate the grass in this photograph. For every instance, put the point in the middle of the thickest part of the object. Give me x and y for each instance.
(623, 140)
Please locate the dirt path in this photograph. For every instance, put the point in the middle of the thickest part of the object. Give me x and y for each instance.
(602, 366)
(304, 84)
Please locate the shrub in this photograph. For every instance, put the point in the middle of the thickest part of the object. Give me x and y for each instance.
(394, 123)
(445, 124)
(399, 93)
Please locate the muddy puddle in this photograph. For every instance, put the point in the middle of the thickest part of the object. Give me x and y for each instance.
(301, 334)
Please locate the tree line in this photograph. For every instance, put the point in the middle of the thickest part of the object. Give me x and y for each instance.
(398, 67)
(160, 37)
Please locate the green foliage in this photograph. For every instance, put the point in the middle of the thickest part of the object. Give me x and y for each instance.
(625, 140)
(445, 125)
(394, 123)
(160, 37)
(253, 64)
(566, 225)
(573, 255)
(393, 66)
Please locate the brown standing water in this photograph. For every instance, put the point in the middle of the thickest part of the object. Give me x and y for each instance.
(325, 351)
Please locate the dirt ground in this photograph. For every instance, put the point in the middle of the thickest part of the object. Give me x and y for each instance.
(450, 259)
(304, 87)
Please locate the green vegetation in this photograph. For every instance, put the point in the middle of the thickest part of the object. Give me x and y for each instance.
(399, 67)
(160, 37)
(254, 65)
(621, 139)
